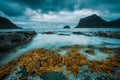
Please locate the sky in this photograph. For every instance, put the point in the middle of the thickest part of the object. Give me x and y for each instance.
(58, 10)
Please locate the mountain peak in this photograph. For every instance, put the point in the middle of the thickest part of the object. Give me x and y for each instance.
(93, 17)
(91, 21)
(94, 21)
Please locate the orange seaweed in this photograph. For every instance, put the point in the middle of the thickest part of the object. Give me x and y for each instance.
(106, 65)
(8, 68)
(40, 61)
(110, 50)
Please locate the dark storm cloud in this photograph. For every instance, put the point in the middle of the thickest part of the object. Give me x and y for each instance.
(17, 7)
(56, 5)
(11, 8)
(49, 5)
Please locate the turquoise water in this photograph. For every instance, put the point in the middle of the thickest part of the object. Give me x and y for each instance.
(53, 41)
(49, 41)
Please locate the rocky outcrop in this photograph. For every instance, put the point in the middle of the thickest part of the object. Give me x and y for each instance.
(95, 21)
(9, 40)
(7, 24)
(67, 26)
(107, 34)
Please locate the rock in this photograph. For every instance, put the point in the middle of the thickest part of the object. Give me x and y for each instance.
(79, 33)
(49, 32)
(34, 77)
(106, 34)
(67, 26)
(64, 34)
(15, 74)
(94, 21)
(9, 40)
(90, 51)
(7, 24)
(53, 76)
(24, 78)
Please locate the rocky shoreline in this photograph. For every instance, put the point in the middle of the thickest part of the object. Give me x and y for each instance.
(107, 34)
(9, 40)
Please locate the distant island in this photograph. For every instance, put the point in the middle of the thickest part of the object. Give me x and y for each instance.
(7, 24)
(94, 21)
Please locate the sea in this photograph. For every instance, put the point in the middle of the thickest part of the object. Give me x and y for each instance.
(60, 37)
(55, 40)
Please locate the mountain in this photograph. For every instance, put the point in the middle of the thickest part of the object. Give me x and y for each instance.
(94, 21)
(115, 23)
(7, 24)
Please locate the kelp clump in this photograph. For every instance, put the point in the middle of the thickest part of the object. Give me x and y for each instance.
(40, 61)
(72, 60)
(75, 47)
(110, 50)
(8, 68)
(106, 65)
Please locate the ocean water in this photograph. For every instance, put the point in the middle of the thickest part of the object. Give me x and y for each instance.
(55, 27)
(52, 41)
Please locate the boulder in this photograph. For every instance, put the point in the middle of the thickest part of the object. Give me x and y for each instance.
(67, 26)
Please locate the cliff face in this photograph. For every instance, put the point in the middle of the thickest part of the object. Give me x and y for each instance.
(95, 21)
(7, 24)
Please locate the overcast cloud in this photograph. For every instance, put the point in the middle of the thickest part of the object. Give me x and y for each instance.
(52, 10)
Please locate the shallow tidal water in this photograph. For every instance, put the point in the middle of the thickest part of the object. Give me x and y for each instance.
(54, 41)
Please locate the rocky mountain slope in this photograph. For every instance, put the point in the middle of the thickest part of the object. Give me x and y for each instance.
(7, 24)
(94, 21)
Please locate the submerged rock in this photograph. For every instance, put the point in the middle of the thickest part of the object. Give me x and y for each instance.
(53, 76)
(64, 34)
(9, 40)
